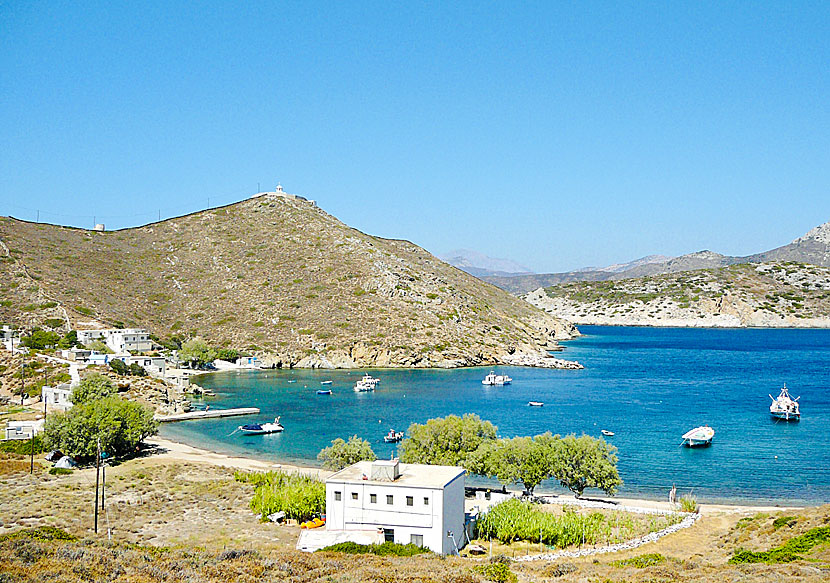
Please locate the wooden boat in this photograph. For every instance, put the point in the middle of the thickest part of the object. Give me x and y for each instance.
(607, 433)
(699, 436)
(535, 404)
(785, 407)
(262, 428)
(324, 392)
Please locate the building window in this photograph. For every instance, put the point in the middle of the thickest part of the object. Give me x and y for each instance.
(337, 495)
(426, 501)
(354, 495)
(417, 539)
(389, 535)
(389, 499)
(373, 498)
(409, 501)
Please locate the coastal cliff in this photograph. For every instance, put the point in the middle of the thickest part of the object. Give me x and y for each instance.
(277, 276)
(772, 295)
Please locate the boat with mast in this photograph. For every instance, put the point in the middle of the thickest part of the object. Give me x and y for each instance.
(785, 407)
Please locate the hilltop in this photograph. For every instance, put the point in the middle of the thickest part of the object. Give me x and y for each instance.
(770, 294)
(276, 275)
(812, 248)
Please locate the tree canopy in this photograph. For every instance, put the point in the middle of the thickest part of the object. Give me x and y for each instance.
(92, 388)
(341, 454)
(120, 425)
(525, 460)
(586, 462)
(446, 441)
(197, 352)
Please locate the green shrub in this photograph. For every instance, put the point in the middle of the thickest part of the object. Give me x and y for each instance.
(498, 572)
(300, 497)
(784, 521)
(786, 553)
(39, 533)
(688, 504)
(516, 520)
(23, 446)
(385, 549)
(60, 471)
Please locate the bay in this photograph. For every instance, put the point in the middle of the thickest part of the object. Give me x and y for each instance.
(647, 385)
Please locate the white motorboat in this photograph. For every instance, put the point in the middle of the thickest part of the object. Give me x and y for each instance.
(535, 404)
(262, 428)
(324, 391)
(785, 407)
(325, 382)
(369, 379)
(699, 436)
(494, 379)
(393, 436)
(363, 387)
(607, 433)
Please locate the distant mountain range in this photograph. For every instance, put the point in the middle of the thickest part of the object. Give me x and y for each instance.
(482, 265)
(812, 248)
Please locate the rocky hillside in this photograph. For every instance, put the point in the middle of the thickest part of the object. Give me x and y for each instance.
(276, 275)
(770, 294)
(813, 248)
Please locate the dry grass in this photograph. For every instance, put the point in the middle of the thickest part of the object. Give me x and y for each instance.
(179, 522)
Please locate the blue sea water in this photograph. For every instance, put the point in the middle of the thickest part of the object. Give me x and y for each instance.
(648, 385)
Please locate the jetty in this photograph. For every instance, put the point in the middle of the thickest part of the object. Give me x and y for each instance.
(213, 413)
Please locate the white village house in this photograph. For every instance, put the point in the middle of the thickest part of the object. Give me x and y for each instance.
(118, 339)
(23, 429)
(57, 397)
(411, 503)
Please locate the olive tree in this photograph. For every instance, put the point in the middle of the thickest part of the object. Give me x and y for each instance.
(197, 353)
(92, 388)
(446, 441)
(525, 460)
(345, 453)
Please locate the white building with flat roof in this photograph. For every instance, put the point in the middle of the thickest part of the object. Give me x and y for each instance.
(57, 397)
(119, 339)
(411, 503)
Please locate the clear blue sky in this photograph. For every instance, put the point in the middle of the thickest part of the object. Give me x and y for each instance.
(558, 135)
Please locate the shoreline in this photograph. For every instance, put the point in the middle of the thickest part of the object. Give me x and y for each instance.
(179, 451)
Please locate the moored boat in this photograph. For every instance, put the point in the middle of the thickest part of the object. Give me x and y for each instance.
(362, 387)
(699, 436)
(496, 379)
(325, 382)
(262, 428)
(785, 407)
(607, 433)
(324, 392)
(535, 404)
(393, 436)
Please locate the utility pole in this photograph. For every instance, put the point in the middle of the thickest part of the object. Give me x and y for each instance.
(22, 378)
(103, 482)
(97, 475)
(32, 453)
(38, 217)
(42, 393)
(159, 215)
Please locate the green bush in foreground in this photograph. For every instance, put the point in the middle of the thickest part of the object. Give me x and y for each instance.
(300, 497)
(23, 446)
(498, 572)
(385, 549)
(39, 533)
(60, 471)
(688, 504)
(786, 553)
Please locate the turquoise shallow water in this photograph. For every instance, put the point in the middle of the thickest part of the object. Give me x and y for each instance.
(648, 385)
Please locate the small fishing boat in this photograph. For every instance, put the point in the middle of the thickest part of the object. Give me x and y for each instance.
(262, 428)
(494, 379)
(324, 391)
(292, 381)
(325, 382)
(785, 407)
(535, 404)
(393, 436)
(699, 436)
(607, 433)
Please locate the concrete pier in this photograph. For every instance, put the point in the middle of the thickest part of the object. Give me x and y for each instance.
(213, 413)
